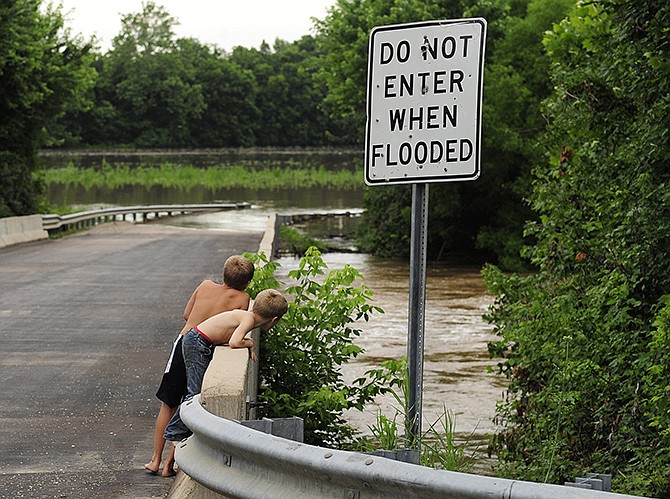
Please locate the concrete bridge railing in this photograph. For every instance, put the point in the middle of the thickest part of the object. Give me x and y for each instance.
(16, 230)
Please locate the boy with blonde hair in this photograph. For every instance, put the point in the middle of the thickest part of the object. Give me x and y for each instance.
(207, 300)
(227, 327)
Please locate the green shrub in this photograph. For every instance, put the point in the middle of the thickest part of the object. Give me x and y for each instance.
(302, 355)
(584, 340)
(296, 242)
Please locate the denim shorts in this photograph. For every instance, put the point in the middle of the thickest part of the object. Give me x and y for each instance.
(198, 352)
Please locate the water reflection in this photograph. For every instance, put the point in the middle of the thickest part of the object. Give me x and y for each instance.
(131, 195)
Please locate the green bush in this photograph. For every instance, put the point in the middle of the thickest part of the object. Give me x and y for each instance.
(302, 356)
(296, 242)
(584, 341)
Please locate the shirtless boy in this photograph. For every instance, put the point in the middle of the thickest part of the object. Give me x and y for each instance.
(227, 327)
(207, 300)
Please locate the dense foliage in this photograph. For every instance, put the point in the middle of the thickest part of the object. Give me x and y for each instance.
(585, 341)
(43, 73)
(157, 90)
(303, 354)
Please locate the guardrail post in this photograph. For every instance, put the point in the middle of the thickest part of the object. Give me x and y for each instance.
(292, 428)
(593, 481)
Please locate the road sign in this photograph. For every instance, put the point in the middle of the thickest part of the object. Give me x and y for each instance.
(424, 102)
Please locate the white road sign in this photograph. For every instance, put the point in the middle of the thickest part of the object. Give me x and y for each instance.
(424, 102)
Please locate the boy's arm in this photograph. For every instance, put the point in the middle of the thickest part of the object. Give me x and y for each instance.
(238, 338)
(191, 302)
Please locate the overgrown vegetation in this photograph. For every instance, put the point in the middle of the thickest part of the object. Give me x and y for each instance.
(294, 241)
(302, 355)
(584, 342)
(188, 177)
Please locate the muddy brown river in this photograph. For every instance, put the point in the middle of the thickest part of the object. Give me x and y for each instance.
(455, 353)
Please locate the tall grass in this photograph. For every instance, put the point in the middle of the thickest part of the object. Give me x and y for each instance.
(441, 449)
(217, 177)
(439, 445)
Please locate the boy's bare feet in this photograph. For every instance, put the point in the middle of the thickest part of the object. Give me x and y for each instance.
(168, 472)
(152, 467)
(168, 466)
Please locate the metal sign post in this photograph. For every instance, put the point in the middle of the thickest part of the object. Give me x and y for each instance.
(417, 302)
(425, 82)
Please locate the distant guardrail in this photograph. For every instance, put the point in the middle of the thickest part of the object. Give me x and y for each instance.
(53, 222)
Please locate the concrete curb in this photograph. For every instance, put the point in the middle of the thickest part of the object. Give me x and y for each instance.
(16, 230)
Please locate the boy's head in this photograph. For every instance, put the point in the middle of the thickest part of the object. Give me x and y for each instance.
(270, 304)
(238, 272)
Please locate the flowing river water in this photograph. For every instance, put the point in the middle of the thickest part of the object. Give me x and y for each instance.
(455, 352)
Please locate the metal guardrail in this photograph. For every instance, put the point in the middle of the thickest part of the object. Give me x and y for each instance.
(237, 461)
(92, 217)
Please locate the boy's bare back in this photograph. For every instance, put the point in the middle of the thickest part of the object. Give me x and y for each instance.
(220, 328)
(232, 327)
(210, 299)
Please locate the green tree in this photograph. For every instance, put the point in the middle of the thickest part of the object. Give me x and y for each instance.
(517, 80)
(584, 341)
(231, 115)
(149, 87)
(289, 96)
(44, 72)
(343, 37)
(158, 91)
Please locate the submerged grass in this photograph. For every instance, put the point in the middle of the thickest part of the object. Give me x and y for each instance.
(440, 446)
(217, 177)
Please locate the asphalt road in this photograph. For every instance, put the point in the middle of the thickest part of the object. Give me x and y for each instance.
(87, 323)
